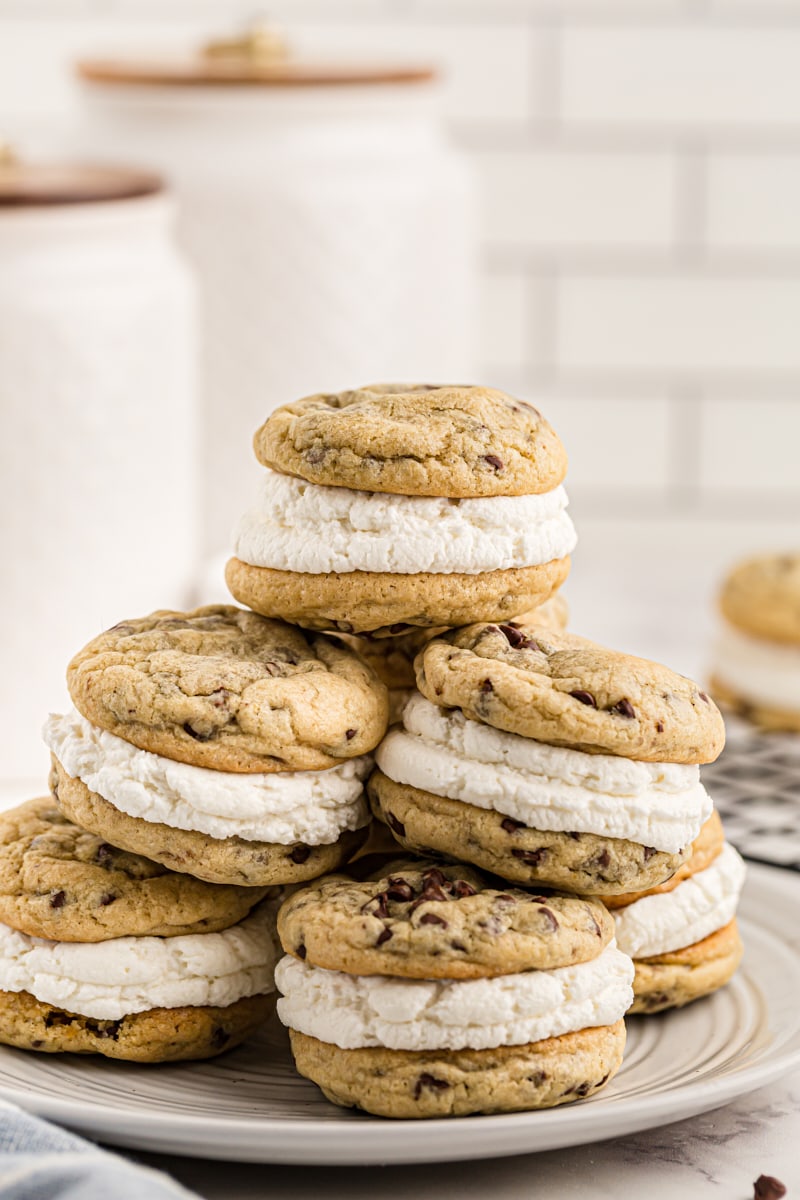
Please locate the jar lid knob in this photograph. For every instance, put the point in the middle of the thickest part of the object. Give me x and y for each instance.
(261, 44)
(8, 155)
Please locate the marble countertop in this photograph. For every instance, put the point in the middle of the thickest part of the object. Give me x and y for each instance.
(717, 1155)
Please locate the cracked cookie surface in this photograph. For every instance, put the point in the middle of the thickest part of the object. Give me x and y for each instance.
(584, 863)
(155, 1035)
(430, 920)
(226, 689)
(58, 881)
(762, 597)
(415, 440)
(231, 860)
(455, 1083)
(567, 691)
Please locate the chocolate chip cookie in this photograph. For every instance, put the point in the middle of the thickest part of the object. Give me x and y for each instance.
(428, 920)
(675, 979)
(415, 440)
(568, 691)
(226, 689)
(762, 597)
(59, 882)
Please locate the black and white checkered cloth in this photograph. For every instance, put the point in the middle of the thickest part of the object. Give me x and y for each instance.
(755, 784)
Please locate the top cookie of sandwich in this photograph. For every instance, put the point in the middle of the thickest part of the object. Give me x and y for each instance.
(568, 691)
(415, 440)
(227, 689)
(429, 920)
(762, 597)
(59, 882)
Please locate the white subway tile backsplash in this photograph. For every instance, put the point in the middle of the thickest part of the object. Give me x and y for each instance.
(613, 445)
(754, 201)
(504, 307)
(751, 445)
(685, 324)
(694, 77)
(555, 200)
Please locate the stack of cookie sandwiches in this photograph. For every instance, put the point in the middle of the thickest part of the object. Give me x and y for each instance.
(220, 744)
(394, 507)
(105, 952)
(756, 666)
(433, 991)
(554, 762)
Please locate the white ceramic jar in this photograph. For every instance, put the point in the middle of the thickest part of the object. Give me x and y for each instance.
(97, 457)
(331, 226)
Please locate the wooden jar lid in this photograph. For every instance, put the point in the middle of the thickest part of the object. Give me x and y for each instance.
(233, 72)
(24, 184)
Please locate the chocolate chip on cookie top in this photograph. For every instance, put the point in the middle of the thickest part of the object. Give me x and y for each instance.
(228, 689)
(415, 440)
(428, 920)
(762, 597)
(568, 691)
(61, 883)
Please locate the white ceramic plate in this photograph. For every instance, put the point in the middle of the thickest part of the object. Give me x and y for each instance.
(250, 1106)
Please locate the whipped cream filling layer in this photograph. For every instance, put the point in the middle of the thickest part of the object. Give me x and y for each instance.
(310, 528)
(551, 788)
(109, 980)
(696, 908)
(314, 807)
(764, 672)
(353, 1011)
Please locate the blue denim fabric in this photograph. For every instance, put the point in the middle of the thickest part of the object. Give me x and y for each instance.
(39, 1161)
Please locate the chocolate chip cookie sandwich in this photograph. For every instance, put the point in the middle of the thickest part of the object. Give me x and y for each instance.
(548, 760)
(756, 663)
(397, 506)
(431, 992)
(104, 952)
(220, 744)
(682, 935)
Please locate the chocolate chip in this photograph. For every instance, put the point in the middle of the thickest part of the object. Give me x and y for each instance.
(315, 456)
(396, 826)
(300, 854)
(510, 825)
(504, 899)
(516, 638)
(192, 732)
(104, 853)
(58, 900)
(56, 1017)
(219, 698)
(704, 697)
(531, 857)
(602, 859)
(649, 851)
(581, 1089)
(104, 1029)
(584, 697)
(461, 888)
(486, 687)
(433, 878)
(400, 890)
(107, 899)
(538, 1078)
(550, 917)
(431, 1083)
(384, 936)
(432, 919)
(767, 1187)
(659, 726)
(593, 919)
(458, 946)
(219, 1038)
(576, 837)
(36, 1043)
(623, 708)
(350, 734)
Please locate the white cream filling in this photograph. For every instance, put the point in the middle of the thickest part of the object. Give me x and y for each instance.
(313, 807)
(354, 1011)
(551, 788)
(109, 980)
(696, 908)
(306, 527)
(758, 670)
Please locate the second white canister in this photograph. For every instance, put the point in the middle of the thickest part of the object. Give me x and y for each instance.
(330, 224)
(98, 402)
